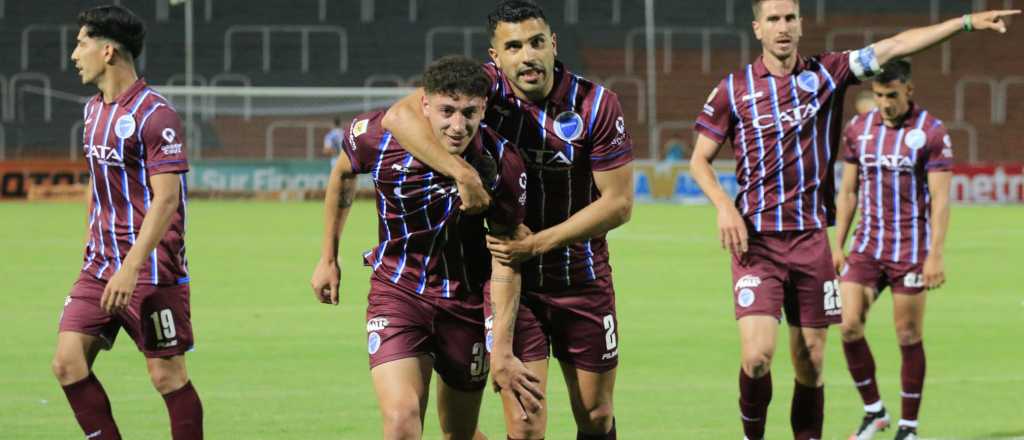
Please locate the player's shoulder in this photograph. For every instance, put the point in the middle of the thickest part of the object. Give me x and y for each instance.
(365, 130)
(496, 144)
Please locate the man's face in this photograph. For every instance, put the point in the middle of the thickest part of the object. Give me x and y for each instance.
(893, 98)
(91, 56)
(454, 119)
(779, 27)
(525, 52)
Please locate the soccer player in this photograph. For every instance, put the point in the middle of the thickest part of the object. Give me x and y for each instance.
(900, 158)
(332, 141)
(864, 103)
(426, 291)
(135, 275)
(782, 115)
(578, 155)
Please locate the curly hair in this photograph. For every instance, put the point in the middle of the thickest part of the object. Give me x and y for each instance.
(455, 75)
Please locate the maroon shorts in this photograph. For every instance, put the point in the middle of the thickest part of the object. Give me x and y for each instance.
(903, 277)
(790, 271)
(401, 325)
(158, 318)
(578, 325)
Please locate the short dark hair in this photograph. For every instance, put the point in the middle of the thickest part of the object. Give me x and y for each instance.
(894, 70)
(514, 11)
(756, 5)
(454, 75)
(116, 23)
(337, 121)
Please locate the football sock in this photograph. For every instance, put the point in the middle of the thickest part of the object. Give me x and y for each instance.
(862, 369)
(912, 378)
(186, 412)
(755, 395)
(92, 409)
(807, 414)
(610, 435)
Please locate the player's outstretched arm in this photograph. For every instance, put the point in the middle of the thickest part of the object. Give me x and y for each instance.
(341, 191)
(934, 268)
(509, 374)
(612, 209)
(166, 190)
(406, 121)
(915, 40)
(731, 227)
(846, 205)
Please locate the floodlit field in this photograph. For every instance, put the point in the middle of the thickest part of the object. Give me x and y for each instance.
(272, 363)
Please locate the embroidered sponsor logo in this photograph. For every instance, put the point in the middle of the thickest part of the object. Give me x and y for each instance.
(748, 281)
(376, 324)
(105, 155)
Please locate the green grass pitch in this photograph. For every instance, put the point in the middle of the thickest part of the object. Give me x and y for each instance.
(271, 363)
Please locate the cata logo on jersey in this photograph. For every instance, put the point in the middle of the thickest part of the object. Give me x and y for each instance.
(892, 162)
(794, 117)
(105, 155)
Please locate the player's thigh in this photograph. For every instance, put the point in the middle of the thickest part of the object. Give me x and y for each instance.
(536, 424)
(458, 410)
(757, 281)
(398, 326)
(590, 393)
(856, 303)
(460, 354)
(583, 326)
(812, 291)
(757, 342)
(167, 373)
(403, 387)
(807, 352)
(908, 316)
(74, 356)
(159, 320)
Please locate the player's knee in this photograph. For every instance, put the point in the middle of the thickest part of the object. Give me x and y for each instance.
(757, 363)
(851, 330)
(598, 419)
(166, 380)
(524, 430)
(908, 333)
(402, 422)
(69, 371)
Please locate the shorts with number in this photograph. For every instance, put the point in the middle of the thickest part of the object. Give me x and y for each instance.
(578, 325)
(158, 318)
(903, 277)
(787, 271)
(402, 325)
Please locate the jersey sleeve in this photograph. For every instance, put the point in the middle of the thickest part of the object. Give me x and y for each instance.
(497, 82)
(715, 121)
(851, 67)
(162, 137)
(361, 143)
(851, 153)
(939, 149)
(509, 206)
(611, 144)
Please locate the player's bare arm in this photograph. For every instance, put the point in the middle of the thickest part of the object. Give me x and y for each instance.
(915, 40)
(732, 230)
(406, 121)
(508, 372)
(846, 206)
(934, 268)
(341, 191)
(166, 190)
(611, 210)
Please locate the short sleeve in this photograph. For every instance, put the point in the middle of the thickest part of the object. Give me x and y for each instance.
(361, 142)
(715, 121)
(851, 67)
(611, 144)
(939, 148)
(162, 138)
(509, 206)
(851, 151)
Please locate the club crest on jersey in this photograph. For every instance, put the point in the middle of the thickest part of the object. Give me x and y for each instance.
(745, 298)
(915, 139)
(373, 343)
(808, 82)
(125, 126)
(568, 126)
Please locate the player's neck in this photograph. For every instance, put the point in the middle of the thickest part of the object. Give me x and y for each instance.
(777, 66)
(115, 81)
(898, 121)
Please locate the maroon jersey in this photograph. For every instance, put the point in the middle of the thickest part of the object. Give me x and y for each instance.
(893, 166)
(427, 246)
(785, 133)
(125, 142)
(577, 130)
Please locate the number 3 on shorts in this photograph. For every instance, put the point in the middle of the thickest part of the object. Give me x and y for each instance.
(163, 324)
(610, 341)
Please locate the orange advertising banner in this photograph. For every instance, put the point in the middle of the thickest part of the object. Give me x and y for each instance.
(17, 177)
